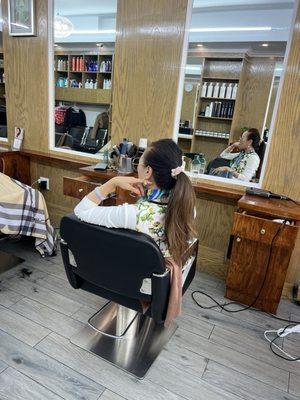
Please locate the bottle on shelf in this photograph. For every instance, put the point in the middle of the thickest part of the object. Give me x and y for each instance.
(209, 90)
(95, 84)
(211, 106)
(222, 91)
(206, 114)
(234, 91)
(202, 164)
(229, 91)
(204, 89)
(216, 90)
(196, 164)
(73, 63)
(81, 64)
(102, 66)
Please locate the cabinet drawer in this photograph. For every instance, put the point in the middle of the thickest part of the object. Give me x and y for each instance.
(78, 187)
(263, 230)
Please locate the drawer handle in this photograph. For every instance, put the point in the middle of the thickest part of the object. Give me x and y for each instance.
(238, 239)
(80, 190)
(262, 231)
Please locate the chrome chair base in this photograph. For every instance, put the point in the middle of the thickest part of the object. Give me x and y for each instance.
(125, 338)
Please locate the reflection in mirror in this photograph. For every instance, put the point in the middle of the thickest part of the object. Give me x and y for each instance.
(84, 35)
(231, 82)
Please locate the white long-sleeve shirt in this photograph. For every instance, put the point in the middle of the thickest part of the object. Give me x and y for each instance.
(123, 216)
(247, 165)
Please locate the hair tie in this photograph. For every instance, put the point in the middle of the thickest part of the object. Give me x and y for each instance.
(176, 171)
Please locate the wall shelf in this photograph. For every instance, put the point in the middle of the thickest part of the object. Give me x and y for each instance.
(185, 136)
(217, 118)
(89, 96)
(209, 78)
(216, 98)
(82, 75)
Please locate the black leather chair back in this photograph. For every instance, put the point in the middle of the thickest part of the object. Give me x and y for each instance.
(113, 263)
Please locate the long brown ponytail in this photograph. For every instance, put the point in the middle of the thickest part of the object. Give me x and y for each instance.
(163, 156)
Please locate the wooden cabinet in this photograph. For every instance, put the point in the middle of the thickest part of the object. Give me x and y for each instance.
(78, 187)
(261, 251)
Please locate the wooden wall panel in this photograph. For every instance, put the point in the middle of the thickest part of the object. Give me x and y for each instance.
(210, 147)
(148, 52)
(26, 76)
(220, 69)
(58, 204)
(253, 95)
(283, 166)
(214, 221)
(189, 100)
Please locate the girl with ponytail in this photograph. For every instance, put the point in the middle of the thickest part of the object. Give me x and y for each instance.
(165, 210)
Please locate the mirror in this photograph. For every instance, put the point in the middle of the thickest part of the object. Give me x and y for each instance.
(232, 75)
(84, 35)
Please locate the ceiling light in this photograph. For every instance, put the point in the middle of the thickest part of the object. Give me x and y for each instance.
(265, 45)
(99, 44)
(63, 27)
(55, 45)
(233, 29)
(199, 45)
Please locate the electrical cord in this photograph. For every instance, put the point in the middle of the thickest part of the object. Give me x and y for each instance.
(280, 334)
(223, 306)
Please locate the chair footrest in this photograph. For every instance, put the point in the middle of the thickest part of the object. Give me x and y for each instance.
(133, 349)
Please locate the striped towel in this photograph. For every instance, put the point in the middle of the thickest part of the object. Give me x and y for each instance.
(23, 211)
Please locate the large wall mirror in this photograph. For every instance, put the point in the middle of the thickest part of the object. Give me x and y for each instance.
(234, 64)
(83, 57)
(233, 70)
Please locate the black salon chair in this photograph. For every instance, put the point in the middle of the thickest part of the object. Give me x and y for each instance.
(127, 268)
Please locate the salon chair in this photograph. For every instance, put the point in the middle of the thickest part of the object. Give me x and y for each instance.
(126, 268)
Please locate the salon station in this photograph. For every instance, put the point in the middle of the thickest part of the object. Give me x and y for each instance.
(149, 200)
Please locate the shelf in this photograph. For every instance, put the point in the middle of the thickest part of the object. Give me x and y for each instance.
(217, 118)
(61, 70)
(216, 98)
(211, 137)
(82, 95)
(185, 136)
(220, 79)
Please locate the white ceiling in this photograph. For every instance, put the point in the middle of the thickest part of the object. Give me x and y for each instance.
(85, 7)
(100, 15)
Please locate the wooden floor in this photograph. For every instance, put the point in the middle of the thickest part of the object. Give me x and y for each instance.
(212, 356)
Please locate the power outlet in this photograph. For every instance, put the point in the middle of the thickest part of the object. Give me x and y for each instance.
(44, 183)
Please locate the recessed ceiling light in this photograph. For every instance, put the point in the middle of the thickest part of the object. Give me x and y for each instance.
(199, 45)
(265, 45)
(55, 45)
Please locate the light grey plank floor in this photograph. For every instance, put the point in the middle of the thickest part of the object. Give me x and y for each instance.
(213, 355)
(17, 386)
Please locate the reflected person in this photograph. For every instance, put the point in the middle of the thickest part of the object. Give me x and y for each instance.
(245, 163)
